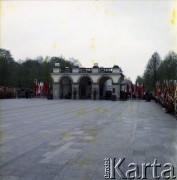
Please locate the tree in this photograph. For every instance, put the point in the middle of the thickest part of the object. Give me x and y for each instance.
(139, 80)
(63, 63)
(75, 61)
(46, 70)
(151, 72)
(14, 80)
(6, 67)
(22, 73)
(168, 67)
(30, 70)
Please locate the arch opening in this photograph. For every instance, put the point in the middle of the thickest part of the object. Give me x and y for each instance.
(105, 88)
(85, 88)
(65, 88)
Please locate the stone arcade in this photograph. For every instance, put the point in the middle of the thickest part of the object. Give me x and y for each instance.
(85, 80)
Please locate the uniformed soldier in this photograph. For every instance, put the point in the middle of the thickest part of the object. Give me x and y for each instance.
(94, 94)
(74, 93)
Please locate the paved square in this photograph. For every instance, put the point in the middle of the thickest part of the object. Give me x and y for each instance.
(66, 139)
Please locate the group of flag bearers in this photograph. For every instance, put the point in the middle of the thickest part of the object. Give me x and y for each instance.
(166, 95)
(41, 89)
(132, 91)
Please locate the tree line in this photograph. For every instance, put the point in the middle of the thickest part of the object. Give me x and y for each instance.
(159, 70)
(21, 74)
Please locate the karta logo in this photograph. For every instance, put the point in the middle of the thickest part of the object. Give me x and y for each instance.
(114, 167)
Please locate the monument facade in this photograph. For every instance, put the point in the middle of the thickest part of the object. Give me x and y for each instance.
(84, 83)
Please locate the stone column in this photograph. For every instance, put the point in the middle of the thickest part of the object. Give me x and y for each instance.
(118, 91)
(116, 86)
(55, 90)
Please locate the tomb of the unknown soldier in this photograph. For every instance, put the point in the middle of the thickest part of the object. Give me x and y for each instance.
(84, 81)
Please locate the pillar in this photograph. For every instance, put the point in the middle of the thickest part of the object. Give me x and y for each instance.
(118, 91)
(116, 86)
(55, 90)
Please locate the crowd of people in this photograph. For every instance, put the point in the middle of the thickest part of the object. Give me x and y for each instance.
(6, 92)
(24, 93)
(166, 96)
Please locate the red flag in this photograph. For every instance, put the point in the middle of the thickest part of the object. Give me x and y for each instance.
(132, 88)
(127, 88)
(158, 91)
(139, 90)
(35, 87)
(45, 88)
(142, 89)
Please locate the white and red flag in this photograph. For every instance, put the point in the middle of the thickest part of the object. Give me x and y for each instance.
(45, 88)
(41, 88)
(35, 87)
(138, 90)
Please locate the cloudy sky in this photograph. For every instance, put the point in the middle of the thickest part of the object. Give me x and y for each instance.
(125, 33)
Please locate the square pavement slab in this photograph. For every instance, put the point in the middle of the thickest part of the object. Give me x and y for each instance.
(70, 139)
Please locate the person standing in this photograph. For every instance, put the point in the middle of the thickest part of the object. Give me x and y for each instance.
(94, 94)
(27, 93)
(74, 93)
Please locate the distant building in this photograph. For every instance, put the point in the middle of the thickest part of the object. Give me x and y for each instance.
(85, 80)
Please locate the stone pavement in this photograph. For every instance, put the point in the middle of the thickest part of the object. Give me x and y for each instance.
(66, 139)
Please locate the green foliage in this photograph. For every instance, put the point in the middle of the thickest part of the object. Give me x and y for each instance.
(30, 70)
(168, 67)
(139, 80)
(151, 72)
(22, 74)
(6, 67)
(63, 63)
(46, 69)
(158, 71)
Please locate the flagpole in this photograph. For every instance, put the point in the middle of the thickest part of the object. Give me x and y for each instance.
(36, 87)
